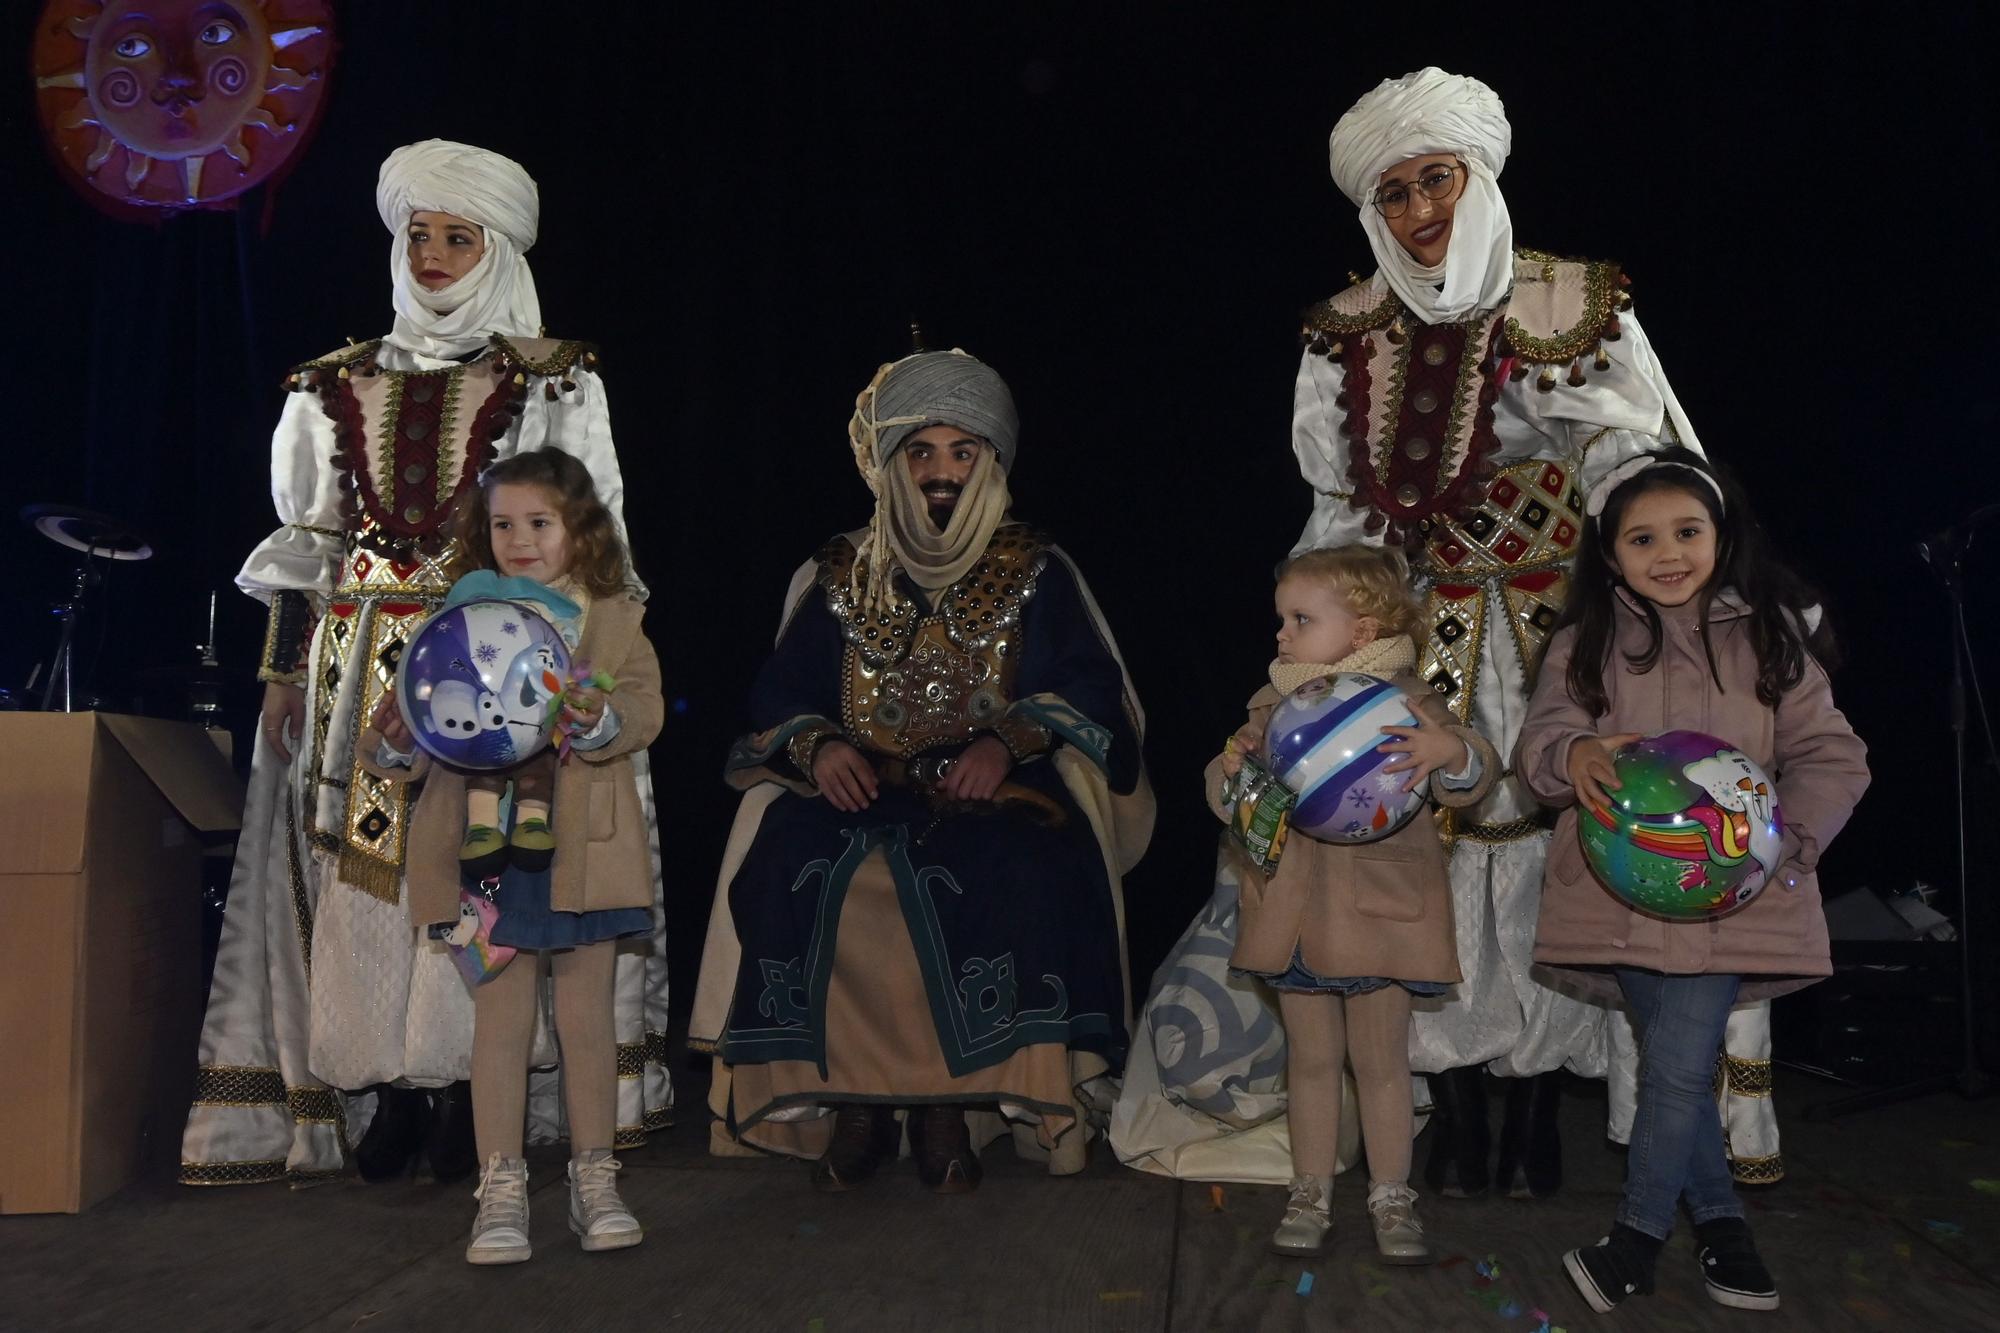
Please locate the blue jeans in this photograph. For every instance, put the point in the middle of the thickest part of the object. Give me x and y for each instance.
(1677, 1149)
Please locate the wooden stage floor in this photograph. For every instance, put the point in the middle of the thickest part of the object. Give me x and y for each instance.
(1888, 1220)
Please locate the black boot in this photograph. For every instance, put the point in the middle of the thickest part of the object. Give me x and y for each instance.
(395, 1136)
(1456, 1167)
(1530, 1164)
(452, 1152)
(864, 1136)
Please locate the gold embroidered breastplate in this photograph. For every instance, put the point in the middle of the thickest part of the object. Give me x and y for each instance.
(1416, 400)
(1508, 558)
(911, 682)
(410, 443)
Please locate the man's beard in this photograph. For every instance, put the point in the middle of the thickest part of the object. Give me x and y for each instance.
(942, 510)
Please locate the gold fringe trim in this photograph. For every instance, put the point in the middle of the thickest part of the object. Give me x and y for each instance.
(371, 874)
(703, 1046)
(566, 355)
(659, 1118)
(631, 1059)
(629, 1136)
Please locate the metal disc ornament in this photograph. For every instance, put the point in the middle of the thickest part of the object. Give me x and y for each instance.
(1693, 832)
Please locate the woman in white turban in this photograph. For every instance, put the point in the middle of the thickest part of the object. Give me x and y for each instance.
(1459, 402)
(321, 986)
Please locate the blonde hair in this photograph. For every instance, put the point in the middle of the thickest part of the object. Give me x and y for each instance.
(1373, 580)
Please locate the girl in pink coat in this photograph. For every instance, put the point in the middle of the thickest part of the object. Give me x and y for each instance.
(1681, 621)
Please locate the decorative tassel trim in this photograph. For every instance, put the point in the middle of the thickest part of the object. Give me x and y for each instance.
(371, 875)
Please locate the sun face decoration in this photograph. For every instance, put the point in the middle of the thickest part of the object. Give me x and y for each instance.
(179, 103)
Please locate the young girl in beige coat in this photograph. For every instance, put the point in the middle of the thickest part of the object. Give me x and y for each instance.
(1678, 621)
(537, 517)
(1346, 934)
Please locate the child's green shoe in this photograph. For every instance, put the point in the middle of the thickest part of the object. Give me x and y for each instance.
(533, 844)
(483, 854)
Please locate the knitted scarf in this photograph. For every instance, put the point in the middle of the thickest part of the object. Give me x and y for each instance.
(1383, 657)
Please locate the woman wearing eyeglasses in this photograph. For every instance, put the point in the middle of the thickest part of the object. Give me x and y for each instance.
(1460, 402)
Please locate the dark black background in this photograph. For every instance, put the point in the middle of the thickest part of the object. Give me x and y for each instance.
(1120, 208)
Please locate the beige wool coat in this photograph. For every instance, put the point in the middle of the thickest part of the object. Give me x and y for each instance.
(602, 860)
(1779, 941)
(1376, 909)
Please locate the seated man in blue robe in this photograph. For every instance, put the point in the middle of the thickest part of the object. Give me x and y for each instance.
(920, 908)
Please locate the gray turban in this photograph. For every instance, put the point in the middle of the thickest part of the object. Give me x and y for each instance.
(945, 389)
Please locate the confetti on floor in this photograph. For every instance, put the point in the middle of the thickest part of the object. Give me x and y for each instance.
(1945, 1230)
(1987, 1186)
(1305, 1287)
(1215, 1199)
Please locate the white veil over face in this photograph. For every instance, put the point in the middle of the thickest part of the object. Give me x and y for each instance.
(498, 294)
(1431, 111)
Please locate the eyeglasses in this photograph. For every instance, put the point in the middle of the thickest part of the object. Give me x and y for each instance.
(1437, 181)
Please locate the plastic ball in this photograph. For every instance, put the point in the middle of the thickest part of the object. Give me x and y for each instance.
(478, 684)
(1323, 744)
(1692, 834)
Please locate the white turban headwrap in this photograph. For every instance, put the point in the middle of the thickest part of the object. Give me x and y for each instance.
(498, 294)
(1431, 111)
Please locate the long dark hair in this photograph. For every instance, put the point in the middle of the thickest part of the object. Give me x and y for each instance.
(1778, 599)
(597, 557)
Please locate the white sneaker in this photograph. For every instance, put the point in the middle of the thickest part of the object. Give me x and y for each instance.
(596, 1213)
(500, 1232)
(1303, 1229)
(1399, 1236)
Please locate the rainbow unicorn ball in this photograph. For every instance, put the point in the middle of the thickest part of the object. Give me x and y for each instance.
(1322, 743)
(1693, 833)
(480, 684)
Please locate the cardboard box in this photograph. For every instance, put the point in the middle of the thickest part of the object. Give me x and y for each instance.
(102, 819)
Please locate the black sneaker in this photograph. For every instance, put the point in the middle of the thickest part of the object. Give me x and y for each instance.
(1729, 1261)
(1618, 1266)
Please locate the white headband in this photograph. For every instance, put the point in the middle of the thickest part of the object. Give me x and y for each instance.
(1634, 466)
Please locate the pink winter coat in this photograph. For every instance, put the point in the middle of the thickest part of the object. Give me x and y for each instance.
(1779, 942)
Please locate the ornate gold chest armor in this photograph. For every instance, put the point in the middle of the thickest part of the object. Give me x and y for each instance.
(911, 682)
(1507, 558)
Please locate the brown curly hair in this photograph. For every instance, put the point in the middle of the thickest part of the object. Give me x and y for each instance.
(597, 556)
(1373, 580)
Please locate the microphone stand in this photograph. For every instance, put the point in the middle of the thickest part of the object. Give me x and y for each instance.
(1945, 552)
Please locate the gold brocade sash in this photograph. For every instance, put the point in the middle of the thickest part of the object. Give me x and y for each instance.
(1509, 557)
(359, 818)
